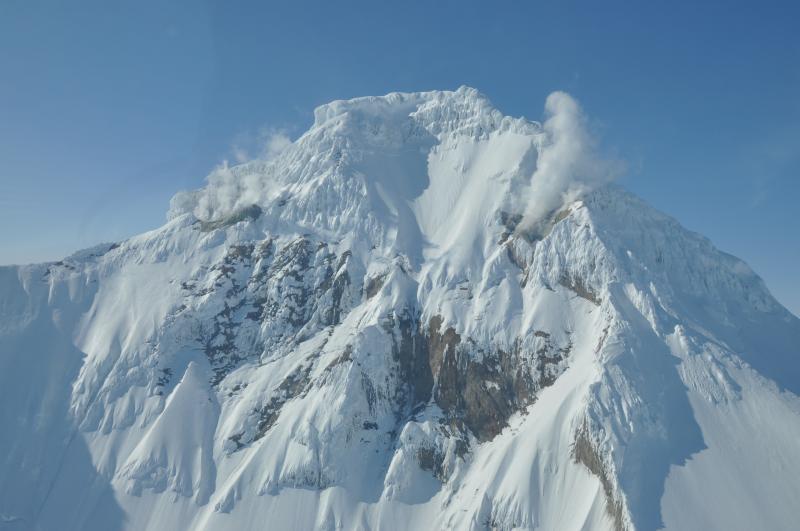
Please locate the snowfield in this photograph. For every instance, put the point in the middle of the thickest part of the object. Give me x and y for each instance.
(376, 330)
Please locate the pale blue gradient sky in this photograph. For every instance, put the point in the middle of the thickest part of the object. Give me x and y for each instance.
(108, 108)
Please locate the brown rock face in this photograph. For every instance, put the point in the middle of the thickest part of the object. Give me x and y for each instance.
(477, 389)
(481, 389)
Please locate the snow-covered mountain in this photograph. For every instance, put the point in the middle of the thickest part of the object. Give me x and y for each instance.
(376, 330)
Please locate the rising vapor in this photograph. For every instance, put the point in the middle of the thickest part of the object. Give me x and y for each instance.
(568, 164)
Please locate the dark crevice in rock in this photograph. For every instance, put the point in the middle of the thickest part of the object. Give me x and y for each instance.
(344, 357)
(295, 385)
(440, 343)
(581, 289)
(236, 388)
(601, 341)
(429, 458)
(336, 282)
(374, 285)
(251, 213)
(409, 351)
(369, 393)
(165, 377)
(533, 232)
(585, 453)
(515, 257)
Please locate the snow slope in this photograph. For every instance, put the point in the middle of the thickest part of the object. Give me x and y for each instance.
(365, 332)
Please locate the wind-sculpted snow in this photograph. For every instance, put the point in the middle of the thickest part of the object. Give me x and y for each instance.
(365, 332)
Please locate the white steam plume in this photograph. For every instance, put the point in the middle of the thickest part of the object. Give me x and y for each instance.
(229, 189)
(568, 165)
(264, 145)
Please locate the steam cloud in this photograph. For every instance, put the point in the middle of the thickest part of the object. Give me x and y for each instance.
(228, 189)
(265, 144)
(568, 165)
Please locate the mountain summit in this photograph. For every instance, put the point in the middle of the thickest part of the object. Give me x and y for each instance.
(421, 314)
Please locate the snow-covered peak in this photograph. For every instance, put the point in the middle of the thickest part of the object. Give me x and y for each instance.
(440, 177)
(420, 314)
(464, 111)
(381, 142)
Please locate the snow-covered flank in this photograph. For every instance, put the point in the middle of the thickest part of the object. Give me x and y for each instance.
(362, 332)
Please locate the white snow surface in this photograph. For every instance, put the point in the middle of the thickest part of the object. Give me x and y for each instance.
(237, 368)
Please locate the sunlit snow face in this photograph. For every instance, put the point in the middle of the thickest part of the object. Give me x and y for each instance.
(383, 129)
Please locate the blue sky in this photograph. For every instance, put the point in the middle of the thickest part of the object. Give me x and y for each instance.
(108, 108)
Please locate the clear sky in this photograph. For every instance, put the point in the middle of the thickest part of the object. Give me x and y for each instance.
(107, 108)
